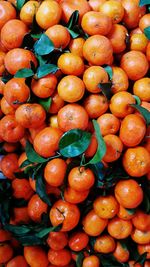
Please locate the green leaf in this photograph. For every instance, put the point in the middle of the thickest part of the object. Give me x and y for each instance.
(41, 188)
(74, 19)
(74, 142)
(25, 163)
(24, 73)
(106, 89)
(101, 150)
(17, 230)
(41, 60)
(45, 103)
(142, 258)
(73, 34)
(29, 240)
(109, 71)
(46, 69)
(131, 211)
(44, 45)
(79, 259)
(20, 4)
(147, 32)
(46, 231)
(144, 2)
(138, 100)
(32, 155)
(144, 112)
(6, 77)
(36, 35)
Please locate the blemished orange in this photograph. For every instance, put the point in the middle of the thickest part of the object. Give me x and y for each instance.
(93, 76)
(141, 88)
(50, 9)
(9, 165)
(7, 11)
(108, 123)
(59, 257)
(35, 256)
(54, 172)
(36, 207)
(121, 253)
(136, 161)
(28, 11)
(17, 261)
(46, 141)
(91, 261)
(106, 206)
(12, 33)
(59, 35)
(141, 221)
(75, 197)
(21, 189)
(117, 37)
(140, 237)
(114, 147)
(16, 92)
(44, 87)
(19, 58)
(135, 64)
(144, 248)
(96, 23)
(125, 214)
(93, 225)
(71, 88)
(71, 64)
(95, 105)
(10, 129)
(65, 213)
(81, 179)
(104, 244)
(6, 253)
(128, 193)
(76, 46)
(30, 115)
(119, 228)
(138, 42)
(120, 81)
(97, 50)
(78, 241)
(132, 130)
(57, 240)
(120, 104)
(72, 116)
(113, 9)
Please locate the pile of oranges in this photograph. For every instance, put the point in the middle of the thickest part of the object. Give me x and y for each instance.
(74, 133)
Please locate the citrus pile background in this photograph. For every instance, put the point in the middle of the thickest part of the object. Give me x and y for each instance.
(74, 133)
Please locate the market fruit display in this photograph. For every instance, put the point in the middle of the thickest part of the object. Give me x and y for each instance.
(75, 133)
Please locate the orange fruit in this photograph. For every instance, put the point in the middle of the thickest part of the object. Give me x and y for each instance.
(35, 256)
(71, 64)
(96, 23)
(72, 116)
(76, 46)
(108, 123)
(121, 253)
(132, 130)
(78, 241)
(59, 35)
(114, 147)
(95, 4)
(120, 80)
(140, 237)
(2, 67)
(4, 235)
(57, 240)
(113, 9)
(131, 13)
(91, 261)
(144, 22)
(138, 42)
(65, 213)
(119, 228)
(95, 105)
(120, 104)
(93, 76)
(28, 11)
(117, 37)
(6, 253)
(81, 179)
(141, 88)
(104, 244)
(20, 216)
(59, 258)
(144, 248)
(50, 9)
(54, 172)
(75, 197)
(128, 193)
(44, 87)
(36, 207)
(17, 261)
(135, 64)
(46, 141)
(21, 189)
(125, 214)
(141, 221)
(136, 161)
(71, 88)
(97, 50)
(56, 104)
(93, 225)
(6, 108)
(7, 11)
(9, 165)
(106, 207)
